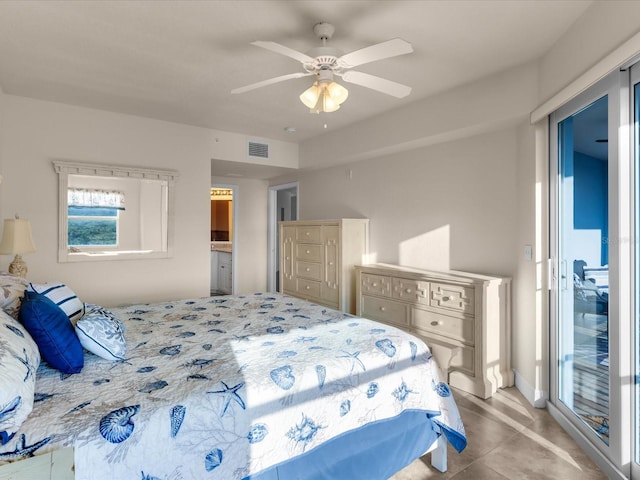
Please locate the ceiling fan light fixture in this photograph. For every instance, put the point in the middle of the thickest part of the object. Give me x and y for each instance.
(337, 92)
(324, 96)
(326, 104)
(311, 95)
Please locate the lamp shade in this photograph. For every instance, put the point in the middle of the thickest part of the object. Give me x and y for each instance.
(310, 96)
(324, 96)
(16, 237)
(337, 92)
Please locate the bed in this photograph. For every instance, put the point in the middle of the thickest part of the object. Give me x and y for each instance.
(259, 387)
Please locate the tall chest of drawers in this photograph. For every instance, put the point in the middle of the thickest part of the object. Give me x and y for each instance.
(465, 312)
(317, 260)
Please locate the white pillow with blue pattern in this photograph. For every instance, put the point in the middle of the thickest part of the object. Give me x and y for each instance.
(102, 333)
(62, 296)
(19, 360)
(12, 290)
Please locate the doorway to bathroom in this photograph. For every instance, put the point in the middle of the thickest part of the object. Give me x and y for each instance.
(222, 238)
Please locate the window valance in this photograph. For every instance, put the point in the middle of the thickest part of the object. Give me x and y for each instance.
(84, 197)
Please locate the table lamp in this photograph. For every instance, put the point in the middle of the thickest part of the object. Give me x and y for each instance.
(16, 240)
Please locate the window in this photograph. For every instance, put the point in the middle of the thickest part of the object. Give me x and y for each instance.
(92, 227)
(94, 224)
(93, 217)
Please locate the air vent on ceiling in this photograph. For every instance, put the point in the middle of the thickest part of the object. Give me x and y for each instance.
(260, 150)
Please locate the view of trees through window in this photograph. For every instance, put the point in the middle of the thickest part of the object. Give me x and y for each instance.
(89, 226)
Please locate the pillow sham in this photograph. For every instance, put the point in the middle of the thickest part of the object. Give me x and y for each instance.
(53, 332)
(102, 333)
(62, 296)
(19, 360)
(12, 289)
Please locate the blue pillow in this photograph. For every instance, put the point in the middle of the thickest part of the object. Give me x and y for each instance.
(53, 332)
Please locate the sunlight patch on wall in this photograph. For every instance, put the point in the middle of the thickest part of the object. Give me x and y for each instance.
(430, 250)
(369, 258)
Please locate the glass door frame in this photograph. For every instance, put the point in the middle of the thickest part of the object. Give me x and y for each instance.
(615, 457)
(634, 173)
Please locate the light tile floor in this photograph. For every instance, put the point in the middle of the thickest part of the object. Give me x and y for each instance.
(508, 439)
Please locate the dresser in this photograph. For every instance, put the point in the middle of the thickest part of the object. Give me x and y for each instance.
(317, 260)
(466, 313)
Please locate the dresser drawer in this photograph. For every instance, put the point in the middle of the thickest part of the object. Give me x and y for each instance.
(310, 253)
(375, 285)
(308, 288)
(410, 290)
(309, 234)
(452, 297)
(384, 310)
(312, 271)
(456, 328)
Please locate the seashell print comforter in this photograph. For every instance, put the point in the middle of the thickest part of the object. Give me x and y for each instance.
(225, 387)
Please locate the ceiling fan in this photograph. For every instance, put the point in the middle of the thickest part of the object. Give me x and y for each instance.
(323, 62)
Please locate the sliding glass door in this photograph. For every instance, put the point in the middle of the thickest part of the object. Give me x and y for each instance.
(582, 265)
(591, 204)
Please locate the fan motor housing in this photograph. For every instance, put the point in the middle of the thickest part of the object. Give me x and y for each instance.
(324, 30)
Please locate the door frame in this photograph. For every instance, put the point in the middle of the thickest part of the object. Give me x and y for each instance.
(235, 193)
(272, 230)
(634, 186)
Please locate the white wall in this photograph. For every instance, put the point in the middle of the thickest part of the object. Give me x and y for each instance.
(35, 133)
(529, 332)
(604, 26)
(447, 206)
(2, 122)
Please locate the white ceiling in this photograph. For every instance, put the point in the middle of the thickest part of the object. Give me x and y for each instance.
(179, 60)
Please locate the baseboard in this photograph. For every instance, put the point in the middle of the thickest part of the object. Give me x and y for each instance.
(537, 398)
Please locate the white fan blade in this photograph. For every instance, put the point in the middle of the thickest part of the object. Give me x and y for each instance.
(271, 81)
(376, 83)
(282, 50)
(379, 51)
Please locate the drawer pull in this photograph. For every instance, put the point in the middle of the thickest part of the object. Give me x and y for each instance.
(308, 251)
(382, 309)
(331, 264)
(435, 323)
(374, 284)
(307, 233)
(307, 287)
(444, 299)
(408, 290)
(307, 269)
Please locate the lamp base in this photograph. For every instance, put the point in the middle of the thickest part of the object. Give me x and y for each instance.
(18, 267)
